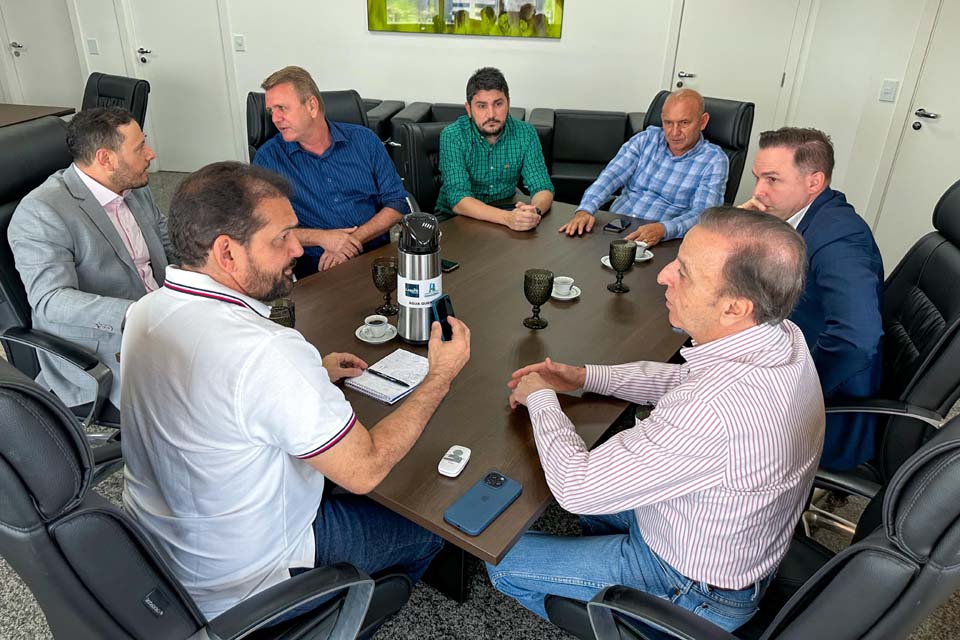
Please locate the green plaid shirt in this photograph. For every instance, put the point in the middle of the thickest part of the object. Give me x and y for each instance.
(472, 167)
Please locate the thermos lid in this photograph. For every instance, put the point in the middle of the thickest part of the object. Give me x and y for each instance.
(419, 233)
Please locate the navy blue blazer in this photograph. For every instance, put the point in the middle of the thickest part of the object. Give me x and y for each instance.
(839, 314)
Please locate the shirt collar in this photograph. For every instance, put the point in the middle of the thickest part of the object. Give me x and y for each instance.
(794, 220)
(103, 195)
(201, 285)
(738, 346)
(695, 149)
(336, 136)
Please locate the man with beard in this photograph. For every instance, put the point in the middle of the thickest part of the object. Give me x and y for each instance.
(484, 155)
(88, 242)
(232, 422)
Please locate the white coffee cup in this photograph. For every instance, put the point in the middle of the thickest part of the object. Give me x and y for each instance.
(375, 326)
(563, 285)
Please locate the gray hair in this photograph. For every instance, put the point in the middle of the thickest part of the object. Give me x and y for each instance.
(768, 264)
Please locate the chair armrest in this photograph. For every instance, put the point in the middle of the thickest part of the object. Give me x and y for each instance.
(255, 612)
(385, 110)
(650, 609)
(635, 122)
(885, 407)
(845, 482)
(413, 112)
(81, 358)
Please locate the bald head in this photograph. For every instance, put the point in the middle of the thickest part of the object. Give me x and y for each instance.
(681, 95)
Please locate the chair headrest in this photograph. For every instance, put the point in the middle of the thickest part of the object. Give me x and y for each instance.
(921, 503)
(43, 442)
(32, 151)
(339, 106)
(730, 120)
(946, 215)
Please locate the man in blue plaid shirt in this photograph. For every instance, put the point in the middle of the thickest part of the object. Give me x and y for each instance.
(668, 174)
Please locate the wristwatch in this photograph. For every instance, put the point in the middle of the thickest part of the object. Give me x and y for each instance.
(539, 213)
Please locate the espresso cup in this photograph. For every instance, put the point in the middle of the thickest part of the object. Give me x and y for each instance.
(376, 326)
(563, 285)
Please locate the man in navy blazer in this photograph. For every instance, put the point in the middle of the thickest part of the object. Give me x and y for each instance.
(839, 312)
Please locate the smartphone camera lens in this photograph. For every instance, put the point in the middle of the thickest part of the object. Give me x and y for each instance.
(494, 479)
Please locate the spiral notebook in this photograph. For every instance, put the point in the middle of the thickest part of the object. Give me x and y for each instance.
(400, 365)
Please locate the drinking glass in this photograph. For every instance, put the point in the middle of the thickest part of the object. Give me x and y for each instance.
(385, 280)
(537, 287)
(622, 255)
(283, 312)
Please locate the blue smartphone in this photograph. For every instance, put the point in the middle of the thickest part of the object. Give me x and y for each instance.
(482, 503)
(443, 309)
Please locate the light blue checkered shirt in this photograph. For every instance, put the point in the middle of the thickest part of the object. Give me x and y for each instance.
(658, 186)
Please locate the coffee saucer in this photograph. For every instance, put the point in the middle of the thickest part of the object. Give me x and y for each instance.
(362, 334)
(643, 256)
(573, 295)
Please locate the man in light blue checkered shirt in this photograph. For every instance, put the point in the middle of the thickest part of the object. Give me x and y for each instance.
(668, 174)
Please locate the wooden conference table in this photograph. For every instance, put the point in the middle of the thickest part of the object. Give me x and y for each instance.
(17, 113)
(487, 293)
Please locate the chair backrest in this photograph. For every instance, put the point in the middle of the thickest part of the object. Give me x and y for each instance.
(105, 90)
(339, 106)
(921, 324)
(449, 111)
(903, 563)
(729, 127)
(92, 570)
(419, 159)
(589, 137)
(31, 152)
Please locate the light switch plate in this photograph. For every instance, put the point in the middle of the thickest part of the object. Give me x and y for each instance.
(239, 42)
(93, 47)
(888, 90)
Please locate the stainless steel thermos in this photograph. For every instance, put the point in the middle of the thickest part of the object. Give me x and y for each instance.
(419, 281)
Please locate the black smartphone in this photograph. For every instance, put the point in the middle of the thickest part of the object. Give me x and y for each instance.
(482, 503)
(443, 309)
(448, 265)
(618, 225)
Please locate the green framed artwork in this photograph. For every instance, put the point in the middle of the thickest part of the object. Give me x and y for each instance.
(497, 18)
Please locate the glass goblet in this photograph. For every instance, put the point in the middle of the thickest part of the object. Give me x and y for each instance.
(622, 255)
(385, 280)
(537, 287)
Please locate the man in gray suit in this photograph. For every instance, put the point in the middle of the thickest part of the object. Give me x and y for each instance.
(88, 242)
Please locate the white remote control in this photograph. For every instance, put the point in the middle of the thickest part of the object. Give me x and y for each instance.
(454, 460)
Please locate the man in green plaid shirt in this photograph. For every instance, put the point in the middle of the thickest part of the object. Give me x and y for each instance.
(484, 154)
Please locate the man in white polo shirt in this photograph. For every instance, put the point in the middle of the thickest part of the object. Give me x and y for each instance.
(232, 422)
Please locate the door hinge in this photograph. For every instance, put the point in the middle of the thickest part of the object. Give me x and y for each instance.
(783, 78)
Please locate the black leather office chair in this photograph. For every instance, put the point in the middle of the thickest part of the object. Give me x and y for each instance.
(339, 106)
(729, 128)
(417, 157)
(104, 90)
(578, 144)
(29, 153)
(95, 572)
(903, 563)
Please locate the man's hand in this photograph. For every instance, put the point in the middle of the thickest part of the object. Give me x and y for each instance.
(524, 217)
(754, 205)
(341, 241)
(330, 259)
(448, 358)
(525, 386)
(650, 234)
(582, 222)
(343, 365)
(559, 377)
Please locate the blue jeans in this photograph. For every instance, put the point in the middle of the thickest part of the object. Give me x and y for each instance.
(355, 529)
(612, 551)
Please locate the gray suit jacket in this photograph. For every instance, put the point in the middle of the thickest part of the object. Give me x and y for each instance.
(79, 276)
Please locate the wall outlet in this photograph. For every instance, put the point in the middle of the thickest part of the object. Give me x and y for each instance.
(888, 90)
(239, 42)
(93, 47)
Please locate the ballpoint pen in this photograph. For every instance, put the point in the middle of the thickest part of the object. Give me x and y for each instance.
(386, 377)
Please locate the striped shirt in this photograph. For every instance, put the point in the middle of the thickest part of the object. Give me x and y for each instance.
(346, 186)
(658, 186)
(472, 167)
(220, 408)
(718, 474)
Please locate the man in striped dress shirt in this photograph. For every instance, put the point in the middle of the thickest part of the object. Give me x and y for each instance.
(697, 503)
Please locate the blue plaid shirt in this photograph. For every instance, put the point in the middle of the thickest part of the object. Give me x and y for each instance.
(345, 187)
(671, 190)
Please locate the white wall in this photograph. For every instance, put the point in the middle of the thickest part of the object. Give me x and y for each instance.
(97, 19)
(610, 56)
(853, 46)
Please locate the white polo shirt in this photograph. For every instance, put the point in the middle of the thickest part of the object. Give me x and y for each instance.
(220, 409)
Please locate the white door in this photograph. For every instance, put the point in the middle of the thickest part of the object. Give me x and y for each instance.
(40, 55)
(189, 110)
(717, 54)
(927, 161)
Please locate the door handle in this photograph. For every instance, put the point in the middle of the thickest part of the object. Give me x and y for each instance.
(142, 50)
(923, 113)
(684, 74)
(16, 45)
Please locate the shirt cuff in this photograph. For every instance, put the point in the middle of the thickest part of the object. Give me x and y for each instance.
(398, 205)
(543, 400)
(598, 379)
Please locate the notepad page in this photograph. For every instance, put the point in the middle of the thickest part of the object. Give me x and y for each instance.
(402, 365)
